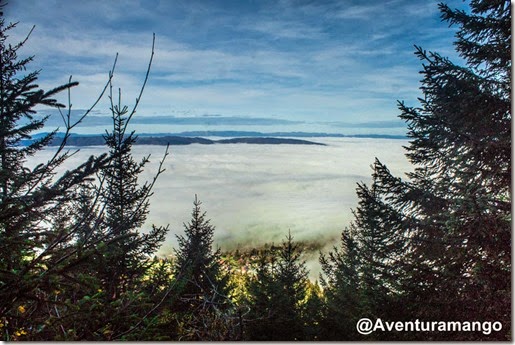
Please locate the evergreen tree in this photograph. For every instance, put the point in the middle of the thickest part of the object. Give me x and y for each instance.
(313, 312)
(364, 277)
(60, 232)
(123, 257)
(203, 290)
(461, 146)
(277, 293)
(342, 291)
(35, 257)
(196, 262)
(127, 256)
(377, 235)
(453, 216)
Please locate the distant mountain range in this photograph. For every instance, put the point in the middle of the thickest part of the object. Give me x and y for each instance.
(232, 134)
(199, 137)
(96, 140)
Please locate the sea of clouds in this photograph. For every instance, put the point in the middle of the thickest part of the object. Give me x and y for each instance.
(255, 194)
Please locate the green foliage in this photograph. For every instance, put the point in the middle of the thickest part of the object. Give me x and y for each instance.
(364, 278)
(461, 146)
(342, 290)
(440, 243)
(125, 259)
(276, 295)
(197, 265)
(60, 232)
(35, 258)
(75, 264)
(204, 303)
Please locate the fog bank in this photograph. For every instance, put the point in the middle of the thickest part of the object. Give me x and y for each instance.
(254, 194)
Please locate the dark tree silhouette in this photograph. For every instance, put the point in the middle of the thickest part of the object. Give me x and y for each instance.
(202, 286)
(276, 293)
(126, 257)
(34, 256)
(453, 216)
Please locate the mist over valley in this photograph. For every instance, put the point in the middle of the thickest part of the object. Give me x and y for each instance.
(254, 194)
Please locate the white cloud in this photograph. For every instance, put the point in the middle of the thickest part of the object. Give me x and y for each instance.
(368, 12)
(254, 194)
(398, 8)
(284, 29)
(210, 60)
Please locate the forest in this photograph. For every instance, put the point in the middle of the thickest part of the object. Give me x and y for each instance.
(76, 262)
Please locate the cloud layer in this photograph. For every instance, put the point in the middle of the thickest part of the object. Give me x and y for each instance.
(254, 194)
(305, 61)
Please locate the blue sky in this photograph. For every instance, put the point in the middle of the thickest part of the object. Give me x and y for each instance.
(320, 64)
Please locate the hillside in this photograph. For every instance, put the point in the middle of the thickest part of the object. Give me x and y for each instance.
(95, 140)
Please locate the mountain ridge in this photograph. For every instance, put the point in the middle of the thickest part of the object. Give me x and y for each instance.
(253, 134)
(98, 140)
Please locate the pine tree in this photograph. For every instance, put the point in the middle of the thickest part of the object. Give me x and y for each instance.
(342, 290)
(35, 257)
(461, 146)
(277, 293)
(116, 208)
(453, 216)
(313, 312)
(127, 256)
(292, 277)
(365, 276)
(196, 262)
(54, 227)
(203, 292)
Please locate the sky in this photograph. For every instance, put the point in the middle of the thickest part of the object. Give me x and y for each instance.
(280, 65)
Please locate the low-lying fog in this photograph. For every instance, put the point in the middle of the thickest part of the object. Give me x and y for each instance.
(254, 194)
